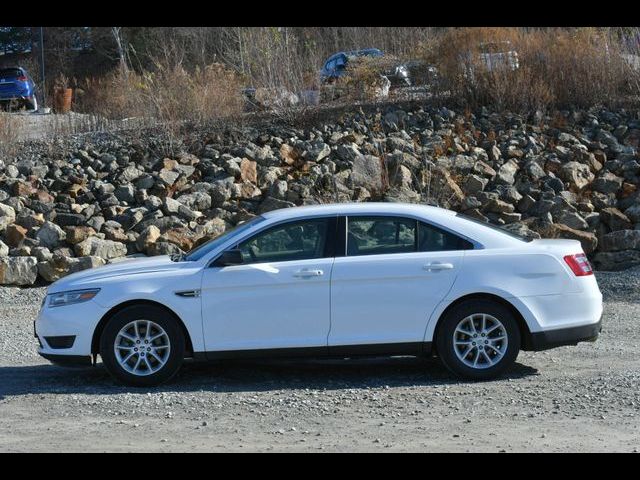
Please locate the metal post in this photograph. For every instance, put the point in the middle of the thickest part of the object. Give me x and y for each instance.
(44, 90)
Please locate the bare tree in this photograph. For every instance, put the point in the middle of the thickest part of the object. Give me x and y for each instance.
(121, 48)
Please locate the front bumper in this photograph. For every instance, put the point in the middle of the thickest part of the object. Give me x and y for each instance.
(56, 326)
(68, 360)
(564, 336)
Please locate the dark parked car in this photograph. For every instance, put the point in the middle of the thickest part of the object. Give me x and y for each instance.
(336, 65)
(411, 73)
(17, 89)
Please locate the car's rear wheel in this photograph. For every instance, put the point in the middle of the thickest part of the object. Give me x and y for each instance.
(142, 346)
(478, 339)
(32, 103)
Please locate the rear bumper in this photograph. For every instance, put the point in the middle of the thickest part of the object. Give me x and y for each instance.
(7, 97)
(564, 336)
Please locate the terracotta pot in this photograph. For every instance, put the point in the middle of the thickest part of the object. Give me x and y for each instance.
(62, 100)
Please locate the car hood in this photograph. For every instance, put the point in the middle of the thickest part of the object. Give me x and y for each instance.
(130, 266)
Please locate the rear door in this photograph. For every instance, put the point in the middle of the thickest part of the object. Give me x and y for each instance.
(395, 272)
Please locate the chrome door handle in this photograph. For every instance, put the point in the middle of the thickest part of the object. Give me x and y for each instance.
(436, 266)
(308, 273)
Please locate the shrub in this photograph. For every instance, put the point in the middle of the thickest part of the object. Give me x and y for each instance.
(558, 68)
(168, 94)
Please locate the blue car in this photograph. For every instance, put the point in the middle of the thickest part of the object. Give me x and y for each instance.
(17, 89)
(336, 64)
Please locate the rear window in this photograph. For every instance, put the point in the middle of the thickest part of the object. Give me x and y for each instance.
(502, 229)
(10, 72)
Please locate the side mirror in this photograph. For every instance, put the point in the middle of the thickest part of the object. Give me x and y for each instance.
(228, 258)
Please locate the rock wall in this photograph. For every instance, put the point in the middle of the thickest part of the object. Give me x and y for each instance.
(573, 175)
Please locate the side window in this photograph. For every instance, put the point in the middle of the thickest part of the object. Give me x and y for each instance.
(330, 66)
(380, 235)
(434, 239)
(299, 240)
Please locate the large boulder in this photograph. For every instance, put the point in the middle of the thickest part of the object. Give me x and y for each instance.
(248, 170)
(475, 184)
(7, 216)
(50, 235)
(576, 174)
(147, 238)
(607, 183)
(367, 172)
(220, 193)
(621, 240)
(571, 219)
(15, 235)
(196, 200)
(182, 237)
(60, 265)
(18, 270)
(163, 248)
(271, 203)
(105, 249)
(615, 219)
(77, 234)
(588, 240)
(506, 173)
(213, 228)
(612, 261)
(633, 213)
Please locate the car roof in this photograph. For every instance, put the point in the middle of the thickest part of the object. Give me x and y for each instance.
(359, 208)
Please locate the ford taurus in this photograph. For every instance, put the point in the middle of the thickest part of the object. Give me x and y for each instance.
(329, 280)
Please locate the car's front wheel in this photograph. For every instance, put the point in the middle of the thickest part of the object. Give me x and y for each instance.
(478, 339)
(142, 346)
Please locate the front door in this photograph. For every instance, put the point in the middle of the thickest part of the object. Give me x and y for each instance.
(279, 298)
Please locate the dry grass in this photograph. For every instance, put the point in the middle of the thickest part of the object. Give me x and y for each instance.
(10, 129)
(558, 68)
(168, 99)
(167, 94)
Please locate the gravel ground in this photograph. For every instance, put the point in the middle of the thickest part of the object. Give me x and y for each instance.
(583, 398)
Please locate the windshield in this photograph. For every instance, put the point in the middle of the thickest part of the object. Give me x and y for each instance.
(202, 250)
(502, 229)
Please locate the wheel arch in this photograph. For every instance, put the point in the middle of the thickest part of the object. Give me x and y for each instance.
(97, 333)
(525, 332)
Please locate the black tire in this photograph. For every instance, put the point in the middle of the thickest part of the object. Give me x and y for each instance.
(161, 318)
(445, 339)
(32, 104)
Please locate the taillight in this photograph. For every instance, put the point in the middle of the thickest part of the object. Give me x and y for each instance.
(22, 78)
(579, 264)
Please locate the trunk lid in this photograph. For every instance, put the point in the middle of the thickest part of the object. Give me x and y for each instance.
(560, 246)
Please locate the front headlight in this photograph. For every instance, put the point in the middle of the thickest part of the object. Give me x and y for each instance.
(71, 297)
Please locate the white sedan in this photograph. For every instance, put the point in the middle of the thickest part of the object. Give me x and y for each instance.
(330, 280)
